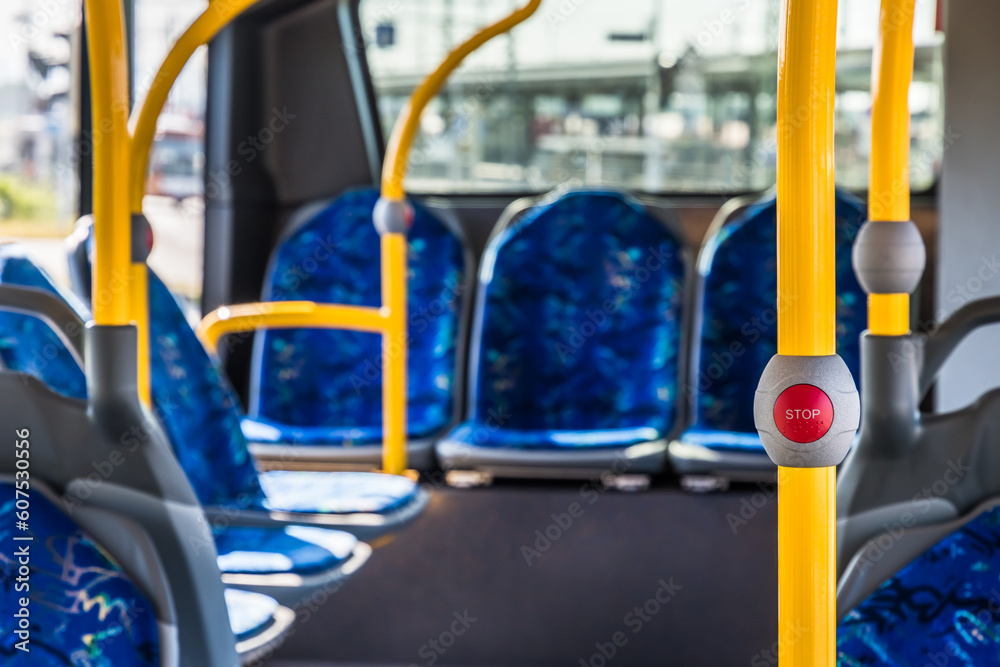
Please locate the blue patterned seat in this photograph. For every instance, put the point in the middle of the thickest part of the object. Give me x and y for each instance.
(943, 608)
(314, 387)
(84, 610)
(577, 337)
(200, 414)
(249, 613)
(736, 332)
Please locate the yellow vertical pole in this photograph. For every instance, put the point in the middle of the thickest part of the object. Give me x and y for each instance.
(806, 282)
(142, 126)
(110, 95)
(394, 247)
(889, 191)
(139, 312)
(394, 244)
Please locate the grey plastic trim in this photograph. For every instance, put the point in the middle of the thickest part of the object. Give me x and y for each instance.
(419, 455)
(170, 653)
(940, 343)
(364, 526)
(392, 216)
(260, 646)
(292, 590)
(691, 459)
(889, 257)
(140, 229)
(863, 576)
(832, 376)
(643, 458)
(51, 309)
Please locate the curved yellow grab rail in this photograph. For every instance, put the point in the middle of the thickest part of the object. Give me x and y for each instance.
(394, 239)
(806, 496)
(889, 192)
(110, 100)
(286, 315)
(142, 128)
(405, 130)
(142, 125)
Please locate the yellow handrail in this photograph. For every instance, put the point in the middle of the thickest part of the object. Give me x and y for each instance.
(142, 125)
(390, 320)
(286, 315)
(405, 130)
(394, 244)
(807, 504)
(142, 128)
(110, 103)
(889, 192)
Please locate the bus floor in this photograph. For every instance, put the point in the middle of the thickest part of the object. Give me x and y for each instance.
(559, 574)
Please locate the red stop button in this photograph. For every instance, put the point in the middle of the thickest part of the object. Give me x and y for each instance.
(803, 413)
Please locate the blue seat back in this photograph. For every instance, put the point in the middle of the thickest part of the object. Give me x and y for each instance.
(942, 608)
(191, 398)
(737, 333)
(578, 318)
(310, 377)
(83, 608)
(28, 344)
(198, 407)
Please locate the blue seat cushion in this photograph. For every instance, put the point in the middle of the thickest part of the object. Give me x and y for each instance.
(265, 431)
(738, 325)
(474, 434)
(941, 609)
(723, 440)
(309, 378)
(578, 324)
(249, 613)
(337, 493)
(293, 550)
(84, 610)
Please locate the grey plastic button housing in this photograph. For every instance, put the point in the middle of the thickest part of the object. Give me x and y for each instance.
(889, 257)
(392, 217)
(830, 374)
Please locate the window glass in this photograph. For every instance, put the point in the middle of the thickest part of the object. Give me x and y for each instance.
(655, 95)
(39, 181)
(174, 201)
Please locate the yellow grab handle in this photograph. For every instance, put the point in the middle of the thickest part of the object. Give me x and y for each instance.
(806, 327)
(287, 315)
(143, 122)
(889, 192)
(110, 101)
(403, 133)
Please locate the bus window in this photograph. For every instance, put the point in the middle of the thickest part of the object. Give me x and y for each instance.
(660, 96)
(175, 188)
(39, 159)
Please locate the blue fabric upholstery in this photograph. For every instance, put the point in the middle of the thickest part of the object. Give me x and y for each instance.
(27, 343)
(325, 387)
(578, 327)
(941, 609)
(342, 493)
(295, 550)
(84, 610)
(197, 406)
(249, 613)
(200, 413)
(738, 332)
